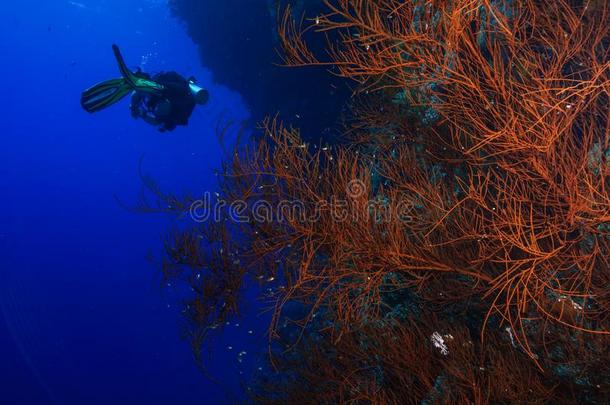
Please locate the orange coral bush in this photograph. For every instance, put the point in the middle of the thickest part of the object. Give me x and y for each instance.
(473, 183)
(521, 88)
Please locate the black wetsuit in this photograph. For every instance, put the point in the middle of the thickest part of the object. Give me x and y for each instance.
(176, 92)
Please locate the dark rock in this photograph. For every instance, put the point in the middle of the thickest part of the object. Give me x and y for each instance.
(238, 42)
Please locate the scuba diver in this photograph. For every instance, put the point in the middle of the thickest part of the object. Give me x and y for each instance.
(164, 100)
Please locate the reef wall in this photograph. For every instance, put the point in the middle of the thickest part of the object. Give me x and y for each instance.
(237, 41)
(456, 248)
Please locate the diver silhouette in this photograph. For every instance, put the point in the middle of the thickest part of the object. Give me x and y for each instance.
(164, 100)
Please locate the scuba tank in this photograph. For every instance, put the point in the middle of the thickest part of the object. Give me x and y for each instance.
(201, 95)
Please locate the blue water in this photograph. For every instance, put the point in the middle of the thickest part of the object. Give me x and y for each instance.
(84, 318)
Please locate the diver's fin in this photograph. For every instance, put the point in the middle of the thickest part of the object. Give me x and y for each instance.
(104, 94)
(137, 83)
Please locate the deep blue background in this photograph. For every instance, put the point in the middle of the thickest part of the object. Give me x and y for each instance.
(84, 319)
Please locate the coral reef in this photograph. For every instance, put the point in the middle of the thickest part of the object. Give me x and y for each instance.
(454, 248)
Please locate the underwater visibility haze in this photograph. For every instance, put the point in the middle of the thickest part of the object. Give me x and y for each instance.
(305, 202)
